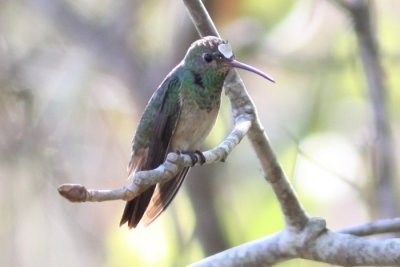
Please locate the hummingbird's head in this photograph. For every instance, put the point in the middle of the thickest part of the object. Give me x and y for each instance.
(211, 53)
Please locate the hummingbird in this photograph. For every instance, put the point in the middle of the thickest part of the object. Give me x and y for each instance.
(178, 117)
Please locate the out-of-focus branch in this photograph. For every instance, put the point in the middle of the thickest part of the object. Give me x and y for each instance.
(144, 179)
(383, 158)
(377, 227)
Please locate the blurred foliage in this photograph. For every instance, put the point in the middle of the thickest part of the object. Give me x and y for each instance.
(267, 14)
(75, 76)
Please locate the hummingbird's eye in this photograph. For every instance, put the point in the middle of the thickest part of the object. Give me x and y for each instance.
(207, 57)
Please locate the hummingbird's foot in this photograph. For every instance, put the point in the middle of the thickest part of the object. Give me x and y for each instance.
(193, 156)
(202, 159)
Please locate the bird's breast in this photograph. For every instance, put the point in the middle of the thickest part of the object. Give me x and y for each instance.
(193, 126)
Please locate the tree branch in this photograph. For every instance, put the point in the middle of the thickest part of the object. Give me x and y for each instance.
(144, 179)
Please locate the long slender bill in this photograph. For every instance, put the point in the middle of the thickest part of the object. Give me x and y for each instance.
(236, 64)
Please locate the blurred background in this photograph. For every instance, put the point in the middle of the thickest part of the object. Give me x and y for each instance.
(75, 77)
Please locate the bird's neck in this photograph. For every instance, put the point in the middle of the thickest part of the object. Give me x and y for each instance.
(203, 89)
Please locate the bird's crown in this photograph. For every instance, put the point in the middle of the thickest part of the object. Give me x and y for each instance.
(213, 43)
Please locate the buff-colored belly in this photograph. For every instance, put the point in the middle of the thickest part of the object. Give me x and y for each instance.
(193, 127)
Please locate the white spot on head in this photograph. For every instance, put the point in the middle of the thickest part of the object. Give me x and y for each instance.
(225, 50)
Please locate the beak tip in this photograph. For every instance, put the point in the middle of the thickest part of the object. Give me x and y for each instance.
(269, 78)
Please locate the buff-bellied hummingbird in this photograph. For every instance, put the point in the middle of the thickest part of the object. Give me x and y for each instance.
(178, 117)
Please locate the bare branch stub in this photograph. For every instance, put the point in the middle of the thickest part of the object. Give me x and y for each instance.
(79, 193)
(73, 192)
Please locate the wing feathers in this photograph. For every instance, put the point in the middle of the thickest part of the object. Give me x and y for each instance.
(149, 205)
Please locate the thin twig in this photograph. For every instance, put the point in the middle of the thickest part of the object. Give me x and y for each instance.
(384, 226)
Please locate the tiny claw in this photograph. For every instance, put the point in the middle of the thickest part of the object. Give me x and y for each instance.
(202, 159)
(193, 158)
(73, 192)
